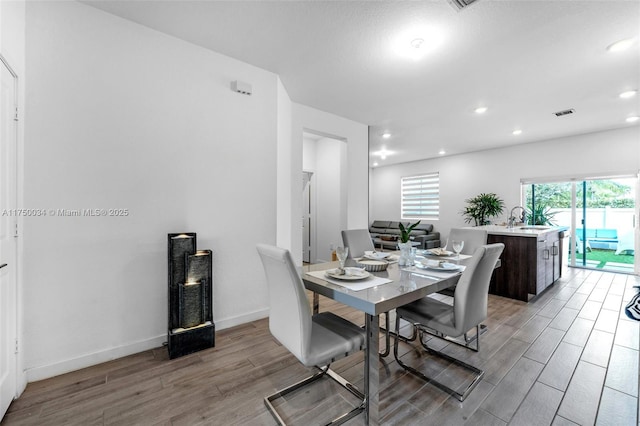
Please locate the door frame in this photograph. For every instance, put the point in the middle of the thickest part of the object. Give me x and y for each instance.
(18, 377)
(578, 180)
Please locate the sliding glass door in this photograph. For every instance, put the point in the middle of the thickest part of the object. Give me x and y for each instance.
(599, 214)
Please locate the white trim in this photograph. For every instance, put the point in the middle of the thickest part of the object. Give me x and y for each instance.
(88, 360)
(241, 319)
(558, 179)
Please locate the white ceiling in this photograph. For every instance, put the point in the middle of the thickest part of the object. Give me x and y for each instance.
(524, 60)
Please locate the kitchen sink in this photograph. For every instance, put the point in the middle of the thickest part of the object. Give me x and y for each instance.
(539, 228)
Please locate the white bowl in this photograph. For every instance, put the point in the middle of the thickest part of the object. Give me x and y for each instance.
(373, 265)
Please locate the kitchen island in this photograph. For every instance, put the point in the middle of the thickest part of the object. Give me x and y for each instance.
(531, 261)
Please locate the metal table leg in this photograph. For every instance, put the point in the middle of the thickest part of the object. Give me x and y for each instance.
(371, 371)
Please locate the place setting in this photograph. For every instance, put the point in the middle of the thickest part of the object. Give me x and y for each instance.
(444, 254)
(354, 278)
(438, 268)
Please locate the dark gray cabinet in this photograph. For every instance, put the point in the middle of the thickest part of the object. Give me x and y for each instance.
(530, 264)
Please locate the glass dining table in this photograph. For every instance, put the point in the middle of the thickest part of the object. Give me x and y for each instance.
(397, 286)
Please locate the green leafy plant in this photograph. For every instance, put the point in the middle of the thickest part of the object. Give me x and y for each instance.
(405, 233)
(541, 215)
(481, 207)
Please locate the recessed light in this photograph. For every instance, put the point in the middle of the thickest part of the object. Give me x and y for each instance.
(632, 119)
(386, 135)
(442, 152)
(382, 153)
(620, 45)
(517, 132)
(481, 110)
(375, 164)
(628, 94)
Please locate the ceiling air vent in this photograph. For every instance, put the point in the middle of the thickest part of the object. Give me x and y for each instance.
(461, 4)
(565, 112)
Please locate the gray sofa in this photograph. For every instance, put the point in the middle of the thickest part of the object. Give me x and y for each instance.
(386, 234)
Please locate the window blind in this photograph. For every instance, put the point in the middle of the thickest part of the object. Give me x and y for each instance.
(421, 196)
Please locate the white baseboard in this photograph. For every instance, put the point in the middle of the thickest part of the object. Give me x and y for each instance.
(87, 360)
(221, 324)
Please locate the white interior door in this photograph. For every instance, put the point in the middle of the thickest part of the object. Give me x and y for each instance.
(306, 216)
(8, 253)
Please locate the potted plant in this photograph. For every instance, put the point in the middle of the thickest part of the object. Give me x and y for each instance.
(404, 245)
(540, 215)
(405, 233)
(481, 207)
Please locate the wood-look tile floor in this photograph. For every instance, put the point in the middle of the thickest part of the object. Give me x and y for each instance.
(569, 357)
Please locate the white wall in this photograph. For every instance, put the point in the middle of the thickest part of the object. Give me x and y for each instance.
(121, 116)
(125, 117)
(500, 171)
(286, 179)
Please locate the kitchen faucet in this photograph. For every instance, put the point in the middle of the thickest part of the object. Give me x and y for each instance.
(512, 218)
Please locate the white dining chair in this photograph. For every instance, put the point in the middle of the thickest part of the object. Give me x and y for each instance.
(469, 309)
(473, 238)
(315, 340)
(358, 240)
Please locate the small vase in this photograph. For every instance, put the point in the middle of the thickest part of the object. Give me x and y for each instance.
(405, 258)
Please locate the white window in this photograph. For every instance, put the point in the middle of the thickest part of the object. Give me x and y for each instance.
(421, 196)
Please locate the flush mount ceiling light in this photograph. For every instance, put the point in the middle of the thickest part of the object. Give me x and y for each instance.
(416, 42)
(621, 45)
(480, 110)
(632, 119)
(375, 164)
(517, 132)
(628, 94)
(386, 135)
(442, 152)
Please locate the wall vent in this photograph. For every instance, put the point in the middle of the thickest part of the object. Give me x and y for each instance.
(565, 112)
(460, 4)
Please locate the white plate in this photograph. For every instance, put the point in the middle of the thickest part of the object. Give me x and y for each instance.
(449, 267)
(352, 274)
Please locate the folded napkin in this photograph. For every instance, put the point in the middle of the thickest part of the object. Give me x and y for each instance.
(438, 251)
(376, 255)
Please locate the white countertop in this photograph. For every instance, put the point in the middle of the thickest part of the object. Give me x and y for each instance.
(522, 230)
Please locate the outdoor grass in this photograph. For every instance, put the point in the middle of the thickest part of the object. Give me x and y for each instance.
(604, 256)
